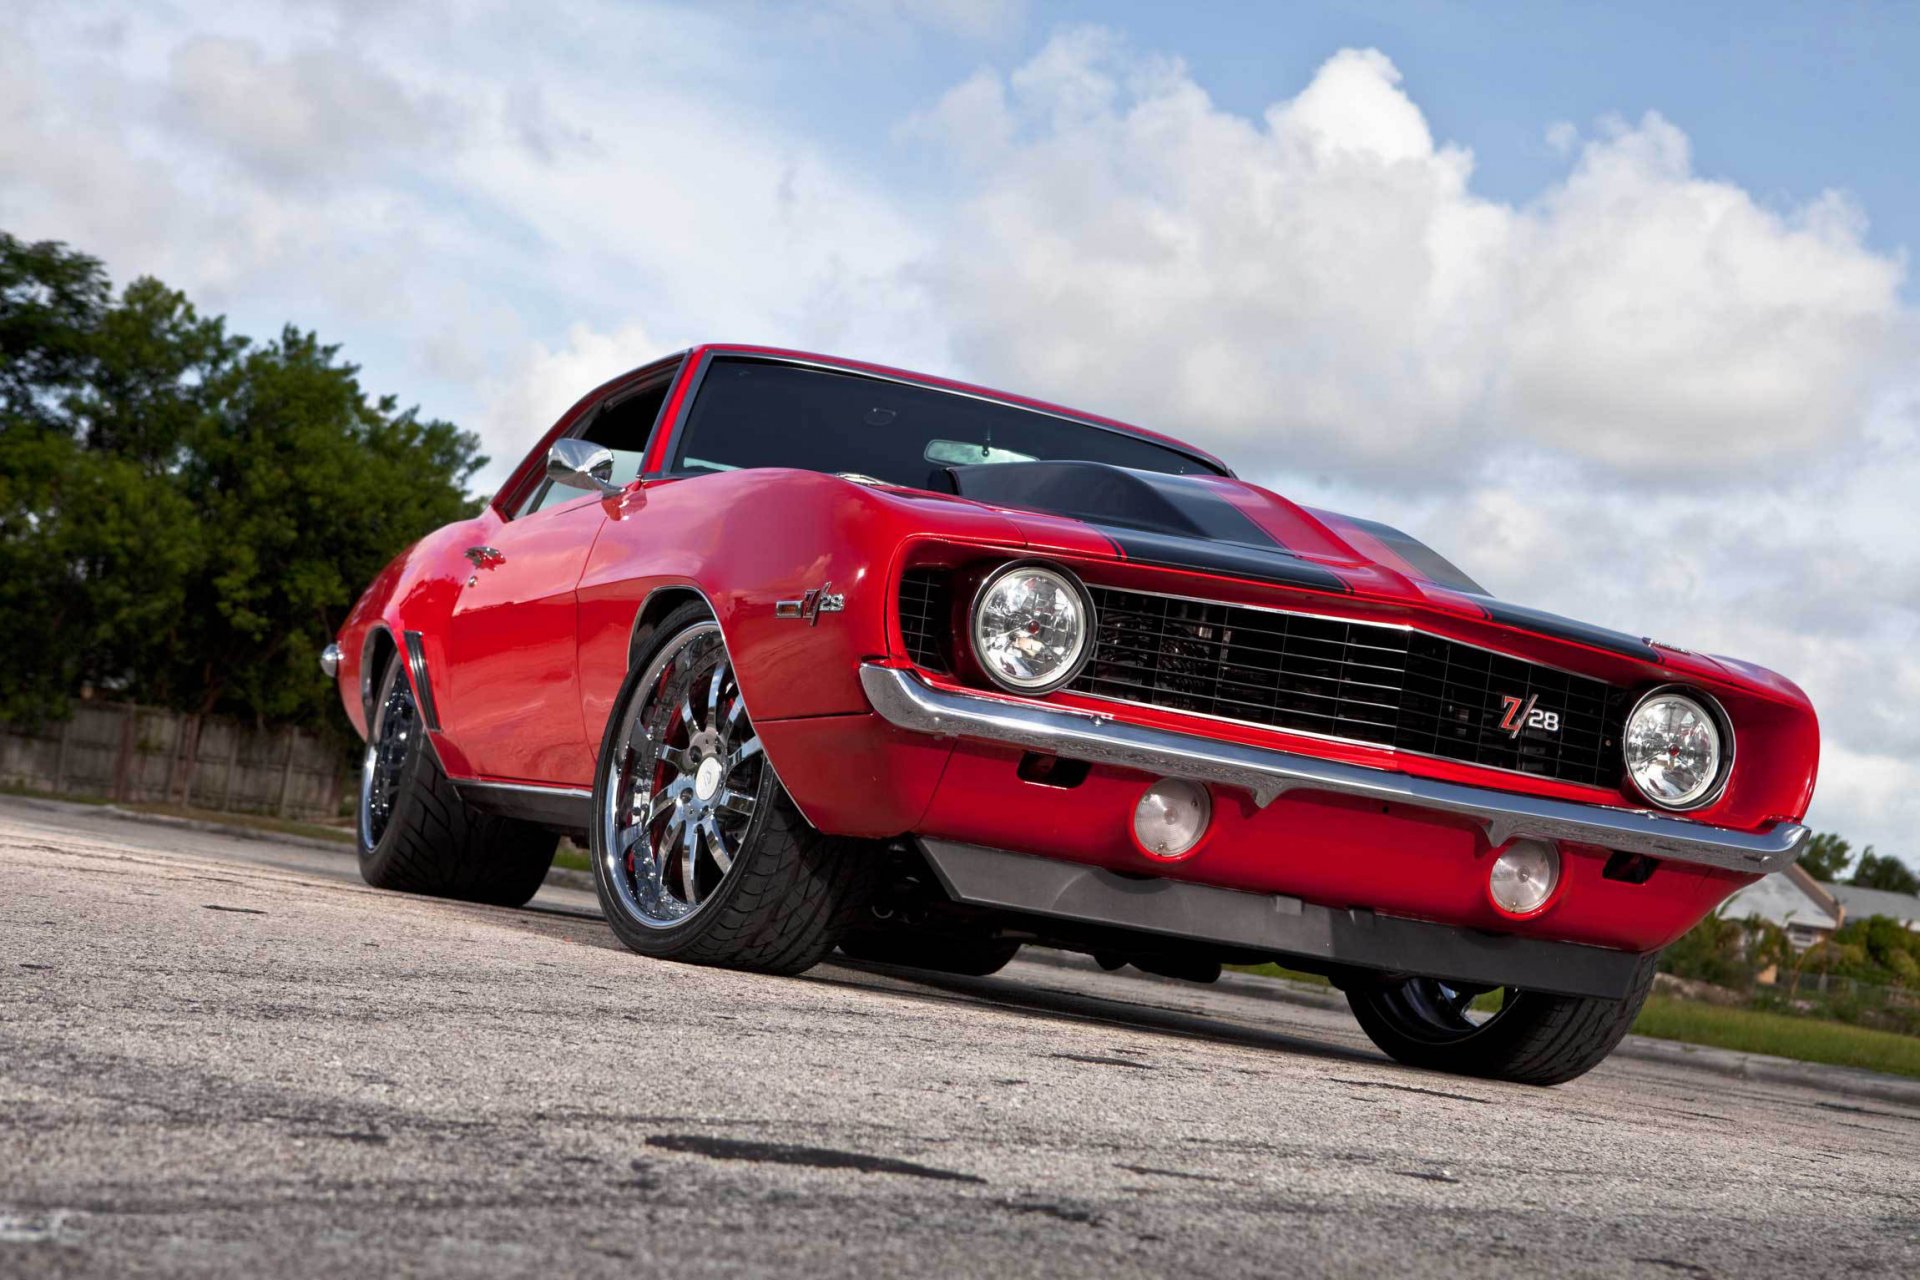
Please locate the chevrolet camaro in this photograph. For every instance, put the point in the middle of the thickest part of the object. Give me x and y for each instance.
(810, 653)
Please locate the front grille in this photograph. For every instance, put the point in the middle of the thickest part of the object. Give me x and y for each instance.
(1456, 698)
(1359, 681)
(926, 618)
(1319, 675)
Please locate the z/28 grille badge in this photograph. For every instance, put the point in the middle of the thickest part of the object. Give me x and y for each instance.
(1521, 714)
(808, 608)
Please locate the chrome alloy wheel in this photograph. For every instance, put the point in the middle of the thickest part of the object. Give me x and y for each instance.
(683, 782)
(389, 744)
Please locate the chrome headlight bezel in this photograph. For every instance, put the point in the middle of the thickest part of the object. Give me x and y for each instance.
(1715, 715)
(1084, 647)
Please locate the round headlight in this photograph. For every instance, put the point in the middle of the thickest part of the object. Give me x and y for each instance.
(1030, 628)
(1674, 751)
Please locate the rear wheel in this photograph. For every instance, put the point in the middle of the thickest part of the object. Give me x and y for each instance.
(1498, 1033)
(698, 853)
(415, 833)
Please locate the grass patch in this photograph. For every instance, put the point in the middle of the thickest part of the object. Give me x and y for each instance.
(41, 793)
(1780, 1034)
(572, 857)
(1275, 971)
(250, 821)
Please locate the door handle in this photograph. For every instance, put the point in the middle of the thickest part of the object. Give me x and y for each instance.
(484, 557)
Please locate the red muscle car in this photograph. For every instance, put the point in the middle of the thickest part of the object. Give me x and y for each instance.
(813, 653)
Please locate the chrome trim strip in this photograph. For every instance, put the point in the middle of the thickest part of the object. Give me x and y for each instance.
(1317, 737)
(422, 687)
(525, 788)
(904, 700)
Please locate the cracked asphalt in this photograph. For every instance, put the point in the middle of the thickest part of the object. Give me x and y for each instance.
(225, 1056)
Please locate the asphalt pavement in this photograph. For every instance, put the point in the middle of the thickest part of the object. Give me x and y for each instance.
(225, 1056)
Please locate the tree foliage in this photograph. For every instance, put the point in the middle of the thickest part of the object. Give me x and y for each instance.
(186, 515)
(1827, 857)
(1884, 871)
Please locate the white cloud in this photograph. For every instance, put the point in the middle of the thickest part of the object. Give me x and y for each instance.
(531, 393)
(1659, 318)
(305, 117)
(451, 187)
(1322, 285)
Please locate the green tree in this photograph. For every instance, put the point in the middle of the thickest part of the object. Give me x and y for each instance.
(1826, 857)
(304, 490)
(94, 546)
(51, 301)
(185, 516)
(1884, 871)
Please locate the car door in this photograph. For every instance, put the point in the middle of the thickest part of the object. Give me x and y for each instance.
(513, 704)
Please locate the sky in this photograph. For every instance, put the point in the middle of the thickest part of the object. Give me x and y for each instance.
(1613, 304)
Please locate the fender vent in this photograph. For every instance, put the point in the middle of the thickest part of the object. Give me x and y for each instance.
(926, 618)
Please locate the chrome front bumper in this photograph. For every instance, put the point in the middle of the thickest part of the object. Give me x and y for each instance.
(903, 699)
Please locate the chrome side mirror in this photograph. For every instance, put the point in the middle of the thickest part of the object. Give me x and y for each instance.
(581, 464)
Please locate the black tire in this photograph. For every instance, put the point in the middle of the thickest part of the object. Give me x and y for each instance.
(1532, 1039)
(416, 835)
(787, 892)
(942, 953)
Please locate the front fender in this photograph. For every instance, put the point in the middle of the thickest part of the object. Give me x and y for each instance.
(746, 541)
(415, 592)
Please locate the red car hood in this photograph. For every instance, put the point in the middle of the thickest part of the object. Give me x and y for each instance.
(1217, 524)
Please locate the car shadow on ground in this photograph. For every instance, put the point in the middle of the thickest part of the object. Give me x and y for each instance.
(1053, 1002)
(1012, 996)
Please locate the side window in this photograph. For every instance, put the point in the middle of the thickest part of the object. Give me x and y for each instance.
(622, 425)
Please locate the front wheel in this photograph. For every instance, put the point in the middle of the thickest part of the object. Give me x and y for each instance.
(1500, 1034)
(698, 853)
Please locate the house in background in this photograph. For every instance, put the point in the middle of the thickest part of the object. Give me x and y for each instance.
(1804, 907)
(1859, 903)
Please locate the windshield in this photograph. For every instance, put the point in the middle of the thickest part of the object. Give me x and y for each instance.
(753, 413)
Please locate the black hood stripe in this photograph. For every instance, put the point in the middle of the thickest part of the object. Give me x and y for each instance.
(1543, 623)
(1229, 559)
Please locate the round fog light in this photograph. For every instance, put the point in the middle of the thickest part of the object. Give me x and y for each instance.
(1171, 817)
(1523, 877)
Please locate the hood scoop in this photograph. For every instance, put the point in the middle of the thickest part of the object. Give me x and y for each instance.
(1151, 517)
(1100, 493)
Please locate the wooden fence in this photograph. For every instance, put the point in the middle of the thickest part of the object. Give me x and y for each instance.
(145, 754)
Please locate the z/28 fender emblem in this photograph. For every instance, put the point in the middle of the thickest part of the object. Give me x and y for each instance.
(808, 608)
(1518, 715)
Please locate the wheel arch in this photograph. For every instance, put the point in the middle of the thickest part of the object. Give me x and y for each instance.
(378, 649)
(654, 609)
